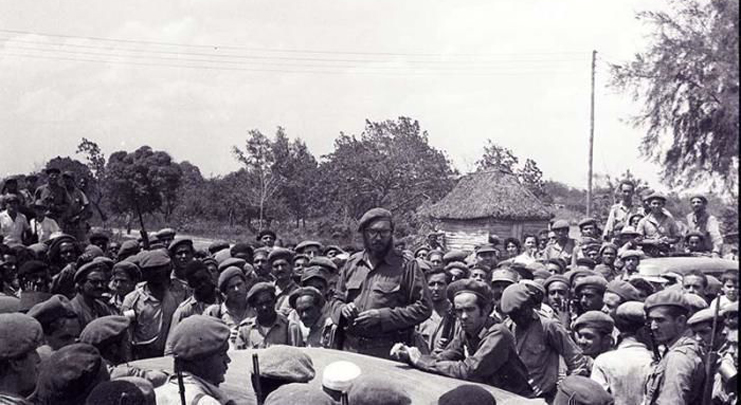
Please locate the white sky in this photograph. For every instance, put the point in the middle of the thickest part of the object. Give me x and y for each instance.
(538, 109)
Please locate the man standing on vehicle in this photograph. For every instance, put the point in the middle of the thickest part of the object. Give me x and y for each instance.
(563, 246)
(657, 225)
(621, 212)
(699, 220)
(380, 295)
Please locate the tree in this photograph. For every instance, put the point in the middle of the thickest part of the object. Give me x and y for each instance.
(496, 156)
(688, 82)
(96, 164)
(139, 182)
(258, 159)
(300, 173)
(531, 177)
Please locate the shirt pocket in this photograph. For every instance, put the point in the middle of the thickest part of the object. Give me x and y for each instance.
(386, 293)
(534, 355)
(353, 286)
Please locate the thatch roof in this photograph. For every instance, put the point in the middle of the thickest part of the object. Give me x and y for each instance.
(494, 193)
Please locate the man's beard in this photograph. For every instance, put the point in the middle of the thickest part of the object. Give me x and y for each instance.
(381, 251)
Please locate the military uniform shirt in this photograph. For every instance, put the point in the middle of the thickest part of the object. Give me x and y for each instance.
(678, 378)
(197, 392)
(252, 335)
(622, 372)
(652, 227)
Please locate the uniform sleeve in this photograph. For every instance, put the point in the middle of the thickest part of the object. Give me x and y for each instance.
(559, 339)
(599, 375)
(677, 384)
(715, 236)
(176, 318)
(610, 224)
(419, 306)
(339, 298)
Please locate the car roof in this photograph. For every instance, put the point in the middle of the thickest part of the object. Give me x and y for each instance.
(423, 388)
(657, 266)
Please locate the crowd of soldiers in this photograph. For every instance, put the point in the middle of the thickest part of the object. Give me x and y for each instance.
(571, 321)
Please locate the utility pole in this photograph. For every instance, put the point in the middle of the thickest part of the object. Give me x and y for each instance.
(591, 139)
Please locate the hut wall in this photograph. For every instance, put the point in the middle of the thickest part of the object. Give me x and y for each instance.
(465, 235)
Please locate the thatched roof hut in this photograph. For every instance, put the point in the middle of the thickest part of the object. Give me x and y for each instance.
(488, 202)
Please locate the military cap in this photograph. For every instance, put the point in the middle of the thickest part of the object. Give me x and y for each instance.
(177, 242)
(472, 286)
(533, 285)
(286, 363)
(130, 269)
(50, 170)
(597, 320)
(560, 224)
(19, 334)
(631, 253)
(339, 375)
(153, 259)
(315, 272)
(56, 307)
(695, 302)
(266, 232)
(419, 249)
(104, 328)
(630, 313)
(532, 267)
(208, 260)
(144, 385)
(372, 215)
(107, 261)
(595, 280)
(9, 304)
(457, 265)
(11, 198)
(116, 392)
(228, 274)
(98, 234)
(586, 262)
(300, 256)
(325, 263)
(372, 390)
(307, 243)
(217, 245)
(487, 248)
(554, 278)
(424, 265)
(223, 254)
(258, 288)
(467, 394)
(38, 249)
(624, 290)
(231, 262)
(604, 271)
(82, 272)
(455, 256)
(521, 270)
(558, 262)
(587, 221)
(241, 247)
(701, 316)
(666, 298)
(331, 248)
(70, 375)
(606, 246)
(33, 266)
(730, 308)
(298, 393)
(714, 285)
(280, 253)
(514, 297)
(319, 299)
(165, 233)
(128, 247)
(578, 272)
(504, 275)
(541, 275)
(263, 251)
(579, 390)
(654, 196)
(198, 336)
(700, 196)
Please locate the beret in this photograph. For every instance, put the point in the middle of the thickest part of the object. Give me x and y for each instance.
(714, 285)
(560, 224)
(300, 256)
(105, 260)
(307, 243)
(128, 247)
(695, 302)
(217, 245)
(266, 232)
(654, 196)
(38, 249)
(666, 298)
(467, 394)
(33, 266)
(586, 262)
(241, 247)
(535, 266)
(258, 288)
(58, 306)
(10, 198)
(280, 253)
(177, 242)
(424, 265)
(83, 271)
(104, 328)
(594, 319)
(624, 289)
(372, 215)
(541, 275)
(325, 263)
(93, 251)
(578, 272)
(298, 393)
(19, 334)
(286, 363)
(231, 262)
(416, 251)
(533, 285)
(504, 275)
(371, 390)
(630, 313)
(703, 315)
(70, 374)
(306, 291)
(339, 375)
(514, 297)
(9, 304)
(435, 252)
(731, 308)
(131, 270)
(606, 246)
(153, 258)
(458, 265)
(556, 277)
(631, 253)
(700, 196)
(144, 385)
(487, 248)
(469, 285)
(454, 256)
(521, 270)
(587, 221)
(193, 267)
(558, 262)
(228, 274)
(222, 255)
(263, 251)
(591, 281)
(315, 272)
(164, 233)
(197, 336)
(116, 392)
(208, 260)
(98, 234)
(579, 390)
(56, 241)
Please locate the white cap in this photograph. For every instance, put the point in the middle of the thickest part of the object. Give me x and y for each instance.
(338, 376)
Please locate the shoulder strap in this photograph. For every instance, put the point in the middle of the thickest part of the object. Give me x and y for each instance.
(197, 398)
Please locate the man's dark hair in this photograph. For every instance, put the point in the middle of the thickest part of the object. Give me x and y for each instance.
(433, 272)
(628, 183)
(700, 274)
(729, 275)
(530, 235)
(642, 285)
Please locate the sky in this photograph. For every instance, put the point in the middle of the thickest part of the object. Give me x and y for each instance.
(516, 72)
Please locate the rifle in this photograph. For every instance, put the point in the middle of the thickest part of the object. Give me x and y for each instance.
(256, 379)
(181, 385)
(710, 358)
